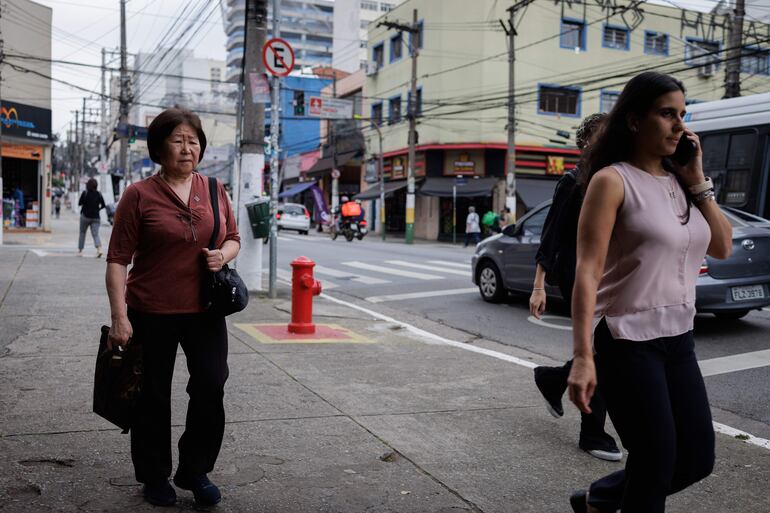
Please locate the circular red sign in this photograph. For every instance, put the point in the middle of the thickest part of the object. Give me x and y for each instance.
(274, 61)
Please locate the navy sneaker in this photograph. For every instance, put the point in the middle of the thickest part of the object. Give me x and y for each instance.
(551, 383)
(159, 494)
(604, 448)
(205, 492)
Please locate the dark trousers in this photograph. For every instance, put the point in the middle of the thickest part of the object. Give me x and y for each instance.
(657, 401)
(203, 338)
(475, 237)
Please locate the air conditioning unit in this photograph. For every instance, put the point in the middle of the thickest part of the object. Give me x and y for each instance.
(708, 70)
(371, 68)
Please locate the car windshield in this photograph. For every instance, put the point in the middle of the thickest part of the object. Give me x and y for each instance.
(293, 209)
(739, 218)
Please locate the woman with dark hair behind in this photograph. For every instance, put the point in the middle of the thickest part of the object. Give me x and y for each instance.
(91, 202)
(163, 226)
(645, 226)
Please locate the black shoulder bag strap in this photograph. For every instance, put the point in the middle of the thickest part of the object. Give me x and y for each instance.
(214, 193)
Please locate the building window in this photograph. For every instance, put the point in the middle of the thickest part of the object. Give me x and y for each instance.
(608, 100)
(615, 37)
(396, 47)
(394, 113)
(558, 100)
(655, 43)
(755, 61)
(378, 55)
(573, 34)
(385, 6)
(216, 74)
(416, 38)
(377, 113)
(418, 106)
(368, 5)
(364, 24)
(701, 53)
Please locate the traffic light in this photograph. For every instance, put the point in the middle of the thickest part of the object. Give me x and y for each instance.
(299, 103)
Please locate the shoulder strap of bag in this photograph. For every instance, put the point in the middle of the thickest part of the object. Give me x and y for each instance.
(213, 192)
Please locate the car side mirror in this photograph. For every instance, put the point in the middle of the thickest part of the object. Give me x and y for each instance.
(512, 230)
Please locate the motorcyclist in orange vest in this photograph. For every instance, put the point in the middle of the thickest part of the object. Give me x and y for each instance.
(351, 210)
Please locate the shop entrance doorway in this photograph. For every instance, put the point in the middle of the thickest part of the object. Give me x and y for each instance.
(482, 205)
(21, 192)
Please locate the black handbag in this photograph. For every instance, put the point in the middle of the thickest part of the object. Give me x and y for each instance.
(224, 292)
(117, 382)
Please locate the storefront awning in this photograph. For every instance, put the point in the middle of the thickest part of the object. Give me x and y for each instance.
(324, 165)
(533, 191)
(473, 187)
(296, 189)
(373, 192)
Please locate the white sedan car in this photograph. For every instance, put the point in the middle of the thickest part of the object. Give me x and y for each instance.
(293, 216)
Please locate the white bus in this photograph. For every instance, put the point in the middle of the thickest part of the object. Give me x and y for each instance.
(735, 134)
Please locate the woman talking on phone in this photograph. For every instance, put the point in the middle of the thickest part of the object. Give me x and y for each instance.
(645, 226)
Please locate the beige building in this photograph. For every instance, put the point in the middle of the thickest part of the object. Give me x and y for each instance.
(572, 59)
(27, 140)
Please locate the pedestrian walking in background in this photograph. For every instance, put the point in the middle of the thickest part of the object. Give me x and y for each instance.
(556, 264)
(57, 206)
(472, 227)
(91, 202)
(645, 226)
(163, 225)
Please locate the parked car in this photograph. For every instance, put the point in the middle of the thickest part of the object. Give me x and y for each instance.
(293, 216)
(727, 288)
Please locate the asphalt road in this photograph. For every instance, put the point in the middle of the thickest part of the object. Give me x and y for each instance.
(433, 281)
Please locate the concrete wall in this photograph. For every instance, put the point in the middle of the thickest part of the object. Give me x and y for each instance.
(426, 215)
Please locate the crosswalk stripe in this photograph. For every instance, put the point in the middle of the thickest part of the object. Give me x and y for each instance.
(402, 263)
(451, 264)
(368, 280)
(735, 363)
(285, 275)
(396, 272)
(418, 295)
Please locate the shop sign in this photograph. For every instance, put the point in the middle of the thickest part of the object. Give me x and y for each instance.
(554, 165)
(25, 121)
(399, 167)
(22, 151)
(464, 165)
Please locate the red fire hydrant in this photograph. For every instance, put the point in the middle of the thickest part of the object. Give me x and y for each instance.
(303, 288)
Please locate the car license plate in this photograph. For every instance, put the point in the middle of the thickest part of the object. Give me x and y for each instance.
(748, 292)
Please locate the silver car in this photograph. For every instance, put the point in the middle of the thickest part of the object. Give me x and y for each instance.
(293, 216)
(727, 288)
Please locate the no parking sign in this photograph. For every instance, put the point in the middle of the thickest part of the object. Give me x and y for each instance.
(278, 57)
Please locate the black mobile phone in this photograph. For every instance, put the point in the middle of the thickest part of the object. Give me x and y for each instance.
(685, 149)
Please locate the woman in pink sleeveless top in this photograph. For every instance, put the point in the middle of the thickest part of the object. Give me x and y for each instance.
(645, 226)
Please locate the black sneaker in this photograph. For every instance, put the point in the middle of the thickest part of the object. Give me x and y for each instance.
(578, 501)
(551, 383)
(159, 494)
(205, 492)
(604, 448)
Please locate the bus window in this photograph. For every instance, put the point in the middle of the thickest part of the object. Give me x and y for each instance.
(715, 152)
(727, 159)
(741, 150)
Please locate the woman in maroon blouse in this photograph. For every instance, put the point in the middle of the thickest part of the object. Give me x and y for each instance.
(163, 226)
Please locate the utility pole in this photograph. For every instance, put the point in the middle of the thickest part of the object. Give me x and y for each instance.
(335, 172)
(252, 162)
(103, 112)
(124, 95)
(83, 139)
(414, 30)
(275, 129)
(75, 185)
(733, 65)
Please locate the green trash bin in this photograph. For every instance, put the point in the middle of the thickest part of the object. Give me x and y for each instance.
(259, 217)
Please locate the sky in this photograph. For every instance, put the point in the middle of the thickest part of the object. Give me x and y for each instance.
(82, 27)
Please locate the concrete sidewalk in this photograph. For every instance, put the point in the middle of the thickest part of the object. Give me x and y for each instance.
(393, 422)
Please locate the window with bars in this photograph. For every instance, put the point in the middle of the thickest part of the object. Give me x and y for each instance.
(572, 34)
(755, 61)
(701, 53)
(615, 37)
(378, 55)
(655, 43)
(385, 6)
(396, 47)
(394, 111)
(607, 100)
(559, 100)
(377, 113)
(368, 5)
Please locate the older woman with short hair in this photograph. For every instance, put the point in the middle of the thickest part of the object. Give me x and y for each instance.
(163, 226)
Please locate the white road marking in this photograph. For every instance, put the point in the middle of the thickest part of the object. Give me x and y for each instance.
(298, 238)
(735, 363)
(396, 272)
(402, 263)
(345, 274)
(285, 276)
(416, 295)
(451, 264)
(39, 252)
(544, 322)
(720, 428)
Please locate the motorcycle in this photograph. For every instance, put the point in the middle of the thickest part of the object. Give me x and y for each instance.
(350, 229)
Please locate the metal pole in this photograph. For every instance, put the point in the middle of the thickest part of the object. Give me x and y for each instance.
(275, 120)
(75, 185)
(335, 172)
(83, 157)
(454, 213)
(733, 66)
(103, 112)
(124, 95)
(380, 158)
(412, 106)
(510, 168)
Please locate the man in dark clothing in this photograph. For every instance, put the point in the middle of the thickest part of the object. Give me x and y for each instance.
(91, 202)
(556, 262)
